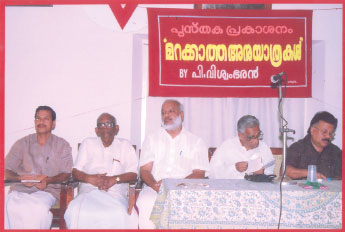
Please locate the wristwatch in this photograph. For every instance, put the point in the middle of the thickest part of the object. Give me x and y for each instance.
(117, 179)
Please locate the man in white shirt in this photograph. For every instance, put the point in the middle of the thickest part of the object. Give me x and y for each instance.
(242, 154)
(172, 152)
(104, 166)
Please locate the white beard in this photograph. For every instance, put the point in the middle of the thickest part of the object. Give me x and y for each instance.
(176, 123)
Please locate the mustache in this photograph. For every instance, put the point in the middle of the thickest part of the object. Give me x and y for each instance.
(328, 140)
(167, 119)
(41, 125)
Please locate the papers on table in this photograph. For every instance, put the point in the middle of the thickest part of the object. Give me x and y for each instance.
(269, 164)
(192, 185)
(254, 165)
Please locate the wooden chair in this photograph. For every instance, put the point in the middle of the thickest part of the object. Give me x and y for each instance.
(134, 190)
(211, 151)
(58, 210)
(278, 160)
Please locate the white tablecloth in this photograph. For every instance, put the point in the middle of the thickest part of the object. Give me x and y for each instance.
(241, 204)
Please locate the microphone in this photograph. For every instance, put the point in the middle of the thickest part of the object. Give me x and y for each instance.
(277, 78)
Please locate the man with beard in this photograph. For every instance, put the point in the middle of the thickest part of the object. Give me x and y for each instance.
(172, 152)
(242, 154)
(104, 166)
(316, 149)
(45, 160)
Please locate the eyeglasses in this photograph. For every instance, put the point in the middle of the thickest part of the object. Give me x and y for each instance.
(325, 132)
(102, 125)
(259, 136)
(37, 118)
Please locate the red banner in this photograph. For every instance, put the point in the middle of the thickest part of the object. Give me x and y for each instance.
(229, 53)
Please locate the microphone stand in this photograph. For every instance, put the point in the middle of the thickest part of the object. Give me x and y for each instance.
(283, 129)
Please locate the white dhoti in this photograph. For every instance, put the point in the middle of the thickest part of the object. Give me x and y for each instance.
(28, 211)
(145, 202)
(100, 210)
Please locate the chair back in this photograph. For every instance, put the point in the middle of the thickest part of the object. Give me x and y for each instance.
(211, 151)
(278, 160)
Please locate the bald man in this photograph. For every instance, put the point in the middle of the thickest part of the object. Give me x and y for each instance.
(104, 166)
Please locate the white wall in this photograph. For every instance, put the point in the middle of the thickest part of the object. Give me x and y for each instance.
(77, 60)
(73, 58)
(62, 57)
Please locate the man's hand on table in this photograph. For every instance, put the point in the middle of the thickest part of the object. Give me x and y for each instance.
(157, 185)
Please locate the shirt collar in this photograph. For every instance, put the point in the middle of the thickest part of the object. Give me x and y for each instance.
(177, 136)
(115, 141)
(49, 141)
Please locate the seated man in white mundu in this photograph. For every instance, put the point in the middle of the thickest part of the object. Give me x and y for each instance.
(39, 163)
(171, 152)
(104, 166)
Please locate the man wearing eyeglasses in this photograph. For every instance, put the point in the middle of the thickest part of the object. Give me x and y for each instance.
(316, 148)
(104, 166)
(242, 154)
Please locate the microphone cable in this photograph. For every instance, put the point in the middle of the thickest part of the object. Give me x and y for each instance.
(283, 174)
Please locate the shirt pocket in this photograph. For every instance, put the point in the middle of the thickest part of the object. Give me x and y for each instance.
(116, 166)
(185, 158)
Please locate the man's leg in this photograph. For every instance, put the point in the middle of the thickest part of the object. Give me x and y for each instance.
(99, 210)
(29, 211)
(133, 220)
(145, 202)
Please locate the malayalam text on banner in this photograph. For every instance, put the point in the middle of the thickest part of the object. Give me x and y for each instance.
(228, 53)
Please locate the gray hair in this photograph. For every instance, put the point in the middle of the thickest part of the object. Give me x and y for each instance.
(179, 104)
(113, 119)
(247, 121)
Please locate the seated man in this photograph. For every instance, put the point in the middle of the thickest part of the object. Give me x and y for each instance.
(172, 152)
(104, 166)
(41, 157)
(316, 149)
(242, 154)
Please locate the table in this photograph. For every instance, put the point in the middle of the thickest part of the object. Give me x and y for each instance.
(241, 204)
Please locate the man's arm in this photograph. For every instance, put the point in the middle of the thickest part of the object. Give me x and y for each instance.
(52, 180)
(147, 177)
(338, 166)
(58, 178)
(196, 174)
(81, 176)
(297, 173)
(11, 175)
(127, 177)
(107, 182)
